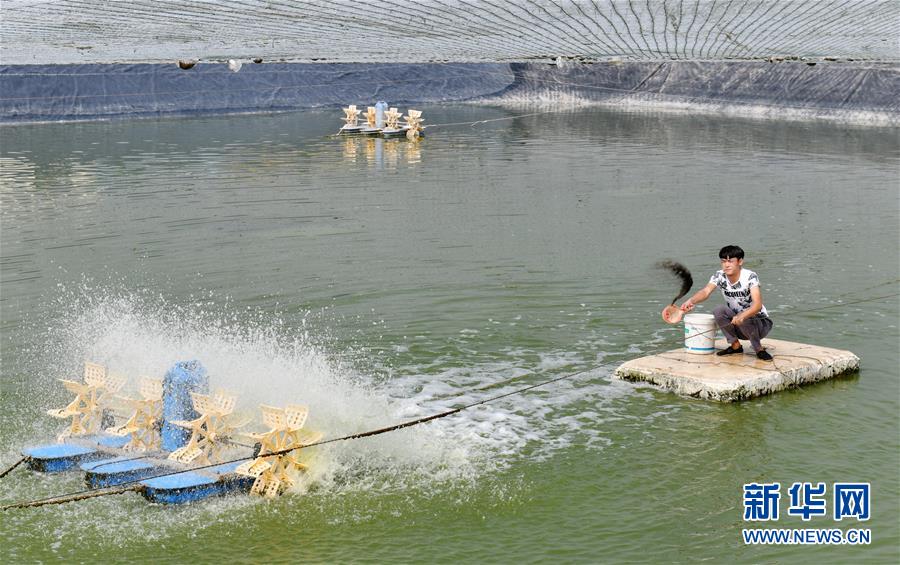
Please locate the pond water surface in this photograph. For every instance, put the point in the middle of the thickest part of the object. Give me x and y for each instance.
(378, 281)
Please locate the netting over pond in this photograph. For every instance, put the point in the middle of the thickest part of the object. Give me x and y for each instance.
(100, 31)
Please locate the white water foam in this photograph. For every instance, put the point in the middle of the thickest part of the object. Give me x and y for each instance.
(264, 359)
(255, 355)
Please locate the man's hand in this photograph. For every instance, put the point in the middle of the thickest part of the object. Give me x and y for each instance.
(687, 305)
(739, 319)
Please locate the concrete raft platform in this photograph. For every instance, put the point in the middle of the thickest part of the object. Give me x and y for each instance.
(739, 377)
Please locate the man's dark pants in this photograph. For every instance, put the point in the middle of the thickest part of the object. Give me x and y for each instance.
(753, 329)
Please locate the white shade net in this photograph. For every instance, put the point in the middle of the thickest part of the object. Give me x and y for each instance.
(103, 31)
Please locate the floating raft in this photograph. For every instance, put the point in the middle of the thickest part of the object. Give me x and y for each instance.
(386, 132)
(739, 377)
(190, 486)
(59, 457)
(122, 469)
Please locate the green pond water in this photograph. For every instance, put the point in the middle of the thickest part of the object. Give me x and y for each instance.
(379, 281)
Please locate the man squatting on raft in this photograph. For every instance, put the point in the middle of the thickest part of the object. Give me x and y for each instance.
(743, 315)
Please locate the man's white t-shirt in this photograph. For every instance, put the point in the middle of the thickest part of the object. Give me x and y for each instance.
(737, 295)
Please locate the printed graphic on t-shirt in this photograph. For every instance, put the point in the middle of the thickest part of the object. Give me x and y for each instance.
(737, 295)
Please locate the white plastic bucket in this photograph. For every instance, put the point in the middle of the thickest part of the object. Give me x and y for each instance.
(700, 333)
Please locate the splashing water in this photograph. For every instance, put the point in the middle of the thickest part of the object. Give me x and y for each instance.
(255, 355)
(265, 358)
